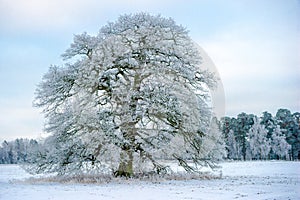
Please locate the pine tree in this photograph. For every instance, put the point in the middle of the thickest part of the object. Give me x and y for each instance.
(241, 126)
(290, 124)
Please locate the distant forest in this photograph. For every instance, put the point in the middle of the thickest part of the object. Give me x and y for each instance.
(249, 137)
(246, 137)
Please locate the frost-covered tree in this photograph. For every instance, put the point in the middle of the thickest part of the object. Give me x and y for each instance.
(241, 126)
(290, 124)
(279, 145)
(269, 122)
(129, 95)
(7, 155)
(216, 140)
(18, 151)
(233, 149)
(258, 142)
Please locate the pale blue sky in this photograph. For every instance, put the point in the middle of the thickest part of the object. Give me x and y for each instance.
(253, 43)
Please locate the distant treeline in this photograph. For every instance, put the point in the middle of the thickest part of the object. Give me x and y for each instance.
(247, 137)
(250, 137)
(19, 151)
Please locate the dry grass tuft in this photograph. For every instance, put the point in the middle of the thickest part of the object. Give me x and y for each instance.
(106, 178)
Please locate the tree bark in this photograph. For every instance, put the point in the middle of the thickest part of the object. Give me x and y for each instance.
(125, 168)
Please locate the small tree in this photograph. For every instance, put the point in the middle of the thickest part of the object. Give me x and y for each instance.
(232, 147)
(258, 143)
(215, 142)
(131, 94)
(279, 145)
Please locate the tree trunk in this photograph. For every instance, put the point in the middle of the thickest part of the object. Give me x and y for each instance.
(125, 168)
(126, 165)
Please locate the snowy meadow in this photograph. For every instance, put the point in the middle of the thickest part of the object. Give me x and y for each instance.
(130, 109)
(240, 180)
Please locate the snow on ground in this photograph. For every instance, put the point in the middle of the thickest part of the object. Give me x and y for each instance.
(241, 180)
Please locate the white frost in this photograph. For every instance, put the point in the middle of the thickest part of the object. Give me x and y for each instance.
(241, 180)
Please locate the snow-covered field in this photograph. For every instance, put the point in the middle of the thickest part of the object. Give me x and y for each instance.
(241, 180)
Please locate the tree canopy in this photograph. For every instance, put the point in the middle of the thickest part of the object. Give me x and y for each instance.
(127, 97)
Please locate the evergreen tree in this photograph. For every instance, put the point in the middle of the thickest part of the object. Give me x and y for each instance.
(242, 125)
(269, 122)
(290, 125)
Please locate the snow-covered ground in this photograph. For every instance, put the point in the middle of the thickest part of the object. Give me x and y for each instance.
(241, 180)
